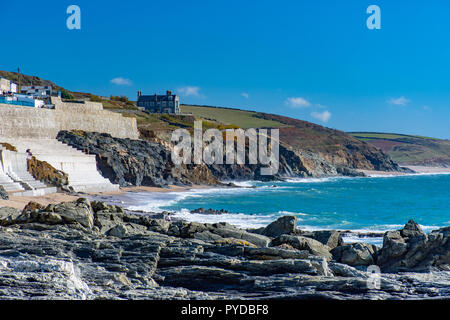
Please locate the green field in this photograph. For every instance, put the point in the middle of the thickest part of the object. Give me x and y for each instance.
(409, 149)
(241, 118)
(388, 136)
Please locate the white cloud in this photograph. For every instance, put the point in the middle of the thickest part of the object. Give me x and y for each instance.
(189, 91)
(402, 101)
(245, 95)
(322, 116)
(297, 102)
(121, 81)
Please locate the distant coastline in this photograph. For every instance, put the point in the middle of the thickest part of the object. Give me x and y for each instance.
(416, 169)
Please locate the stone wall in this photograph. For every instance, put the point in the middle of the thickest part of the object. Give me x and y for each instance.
(28, 122)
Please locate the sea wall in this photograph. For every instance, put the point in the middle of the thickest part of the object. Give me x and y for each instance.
(28, 122)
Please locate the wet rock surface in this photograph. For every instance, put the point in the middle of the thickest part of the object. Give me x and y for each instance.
(92, 250)
(3, 194)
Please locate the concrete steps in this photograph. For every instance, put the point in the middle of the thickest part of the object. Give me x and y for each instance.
(16, 179)
(36, 192)
(9, 184)
(19, 171)
(81, 168)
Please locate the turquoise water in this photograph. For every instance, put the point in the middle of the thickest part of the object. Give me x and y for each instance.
(360, 204)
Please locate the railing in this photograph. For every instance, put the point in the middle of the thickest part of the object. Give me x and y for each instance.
(16, 103)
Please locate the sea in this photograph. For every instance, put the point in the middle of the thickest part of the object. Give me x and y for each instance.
(361, 204)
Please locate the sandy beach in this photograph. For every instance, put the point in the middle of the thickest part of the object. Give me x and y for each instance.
(20, 202)
(171, 188)
(417, 169)
(423, 169)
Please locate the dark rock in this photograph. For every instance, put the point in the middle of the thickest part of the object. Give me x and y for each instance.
(8, 216)
(330, 238)
(283, 225)
(410, 249)
(118, 231)
(411, 229)
(135, 162)
(3, 193)
(202, 278)
(355, 254)
(46, 257)
(303, 243)
(274, 253)
(209, 211)
(33, 207)
(231, 232)
(79, 211)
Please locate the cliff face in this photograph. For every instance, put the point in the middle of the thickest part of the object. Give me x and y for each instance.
(306, 150)
(332, 146)
(409, 150)
(135, 162)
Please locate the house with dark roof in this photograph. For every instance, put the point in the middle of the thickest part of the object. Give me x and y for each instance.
(168, 103)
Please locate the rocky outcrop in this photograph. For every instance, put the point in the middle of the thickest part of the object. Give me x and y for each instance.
(92, 250)
(355, 254)
(303, 243)
(44, 172)
(8, 216)
(3, 194)
(410, 249)
(330, 238)
(331, 148)
(135, 162)
(283, 225)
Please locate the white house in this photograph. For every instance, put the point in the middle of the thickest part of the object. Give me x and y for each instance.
(7, 86)
(37, 91)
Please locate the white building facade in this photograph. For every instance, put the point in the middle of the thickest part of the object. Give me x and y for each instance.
(7, 86)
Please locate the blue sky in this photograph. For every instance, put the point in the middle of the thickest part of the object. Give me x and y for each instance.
(312, 60)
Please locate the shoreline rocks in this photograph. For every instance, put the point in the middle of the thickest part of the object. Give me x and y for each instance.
(3, 194)
(91, 250)
(209, 211)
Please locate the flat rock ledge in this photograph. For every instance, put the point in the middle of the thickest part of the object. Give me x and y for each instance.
(91, 250)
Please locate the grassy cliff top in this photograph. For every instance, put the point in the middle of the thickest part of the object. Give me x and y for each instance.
(409, 149)
(241, 118)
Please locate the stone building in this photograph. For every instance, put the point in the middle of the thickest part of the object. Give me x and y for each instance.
(168, 103)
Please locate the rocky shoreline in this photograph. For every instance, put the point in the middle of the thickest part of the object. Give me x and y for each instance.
(91, 250)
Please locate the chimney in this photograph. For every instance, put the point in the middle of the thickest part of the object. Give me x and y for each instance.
(168, 92)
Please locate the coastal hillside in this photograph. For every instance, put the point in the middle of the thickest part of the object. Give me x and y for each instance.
(306, 149)
(312, 141)
(409, 149)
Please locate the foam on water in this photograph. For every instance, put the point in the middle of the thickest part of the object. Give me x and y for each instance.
(312, 180)
(361, 205)
(240, 220)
